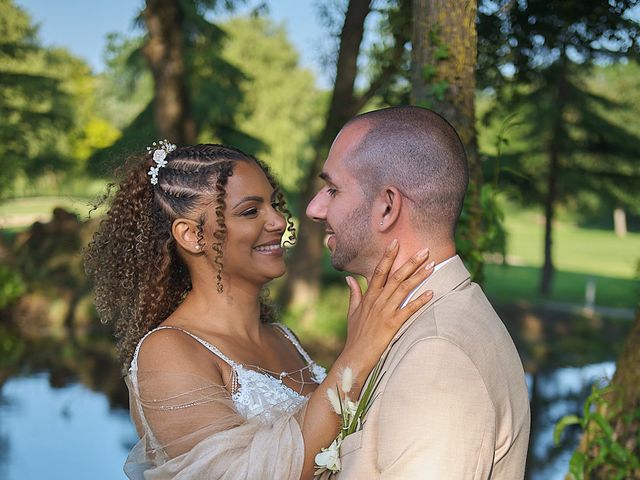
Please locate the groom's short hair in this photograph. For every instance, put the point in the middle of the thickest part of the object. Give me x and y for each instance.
(417, 151)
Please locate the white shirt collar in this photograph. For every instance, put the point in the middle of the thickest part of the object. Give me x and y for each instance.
(435, 269)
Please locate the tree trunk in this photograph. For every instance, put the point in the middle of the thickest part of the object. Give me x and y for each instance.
(549, 212)
(165, 56)
(302, 287)
(622, 403)
(444, 51)
(555, 150)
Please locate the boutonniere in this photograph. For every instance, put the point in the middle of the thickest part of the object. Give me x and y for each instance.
(352, 415)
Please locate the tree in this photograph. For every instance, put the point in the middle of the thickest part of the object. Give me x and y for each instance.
(35, 111)
(125, 86)
(619, 84)
(302, 287)
(164, 52)
(534, 55)
(280, 106)
(443, 78)
(444, 46)
(621, 409)
(196, 96)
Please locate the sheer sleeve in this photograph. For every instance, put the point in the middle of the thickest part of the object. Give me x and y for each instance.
(190, 429)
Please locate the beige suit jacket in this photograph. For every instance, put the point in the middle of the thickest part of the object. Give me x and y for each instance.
(453, 403)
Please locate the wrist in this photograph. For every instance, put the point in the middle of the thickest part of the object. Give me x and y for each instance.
(360, 364)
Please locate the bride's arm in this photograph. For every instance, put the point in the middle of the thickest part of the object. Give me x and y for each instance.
(373, 321)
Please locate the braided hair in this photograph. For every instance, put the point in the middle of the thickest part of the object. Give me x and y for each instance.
(139, 279)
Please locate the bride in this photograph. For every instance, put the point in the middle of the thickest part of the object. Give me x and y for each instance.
(217, 389)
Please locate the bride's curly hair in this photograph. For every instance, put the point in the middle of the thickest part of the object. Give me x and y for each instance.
(138, 277)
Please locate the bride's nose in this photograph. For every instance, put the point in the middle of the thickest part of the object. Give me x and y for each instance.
(276, 222)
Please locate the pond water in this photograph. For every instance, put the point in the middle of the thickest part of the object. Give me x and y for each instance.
(72, 433)
(60, 433)
(559, 393)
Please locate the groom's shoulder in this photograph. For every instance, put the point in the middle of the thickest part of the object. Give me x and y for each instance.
(462, 310)
(465, 319)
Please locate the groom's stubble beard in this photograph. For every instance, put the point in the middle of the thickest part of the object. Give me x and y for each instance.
(352, 237)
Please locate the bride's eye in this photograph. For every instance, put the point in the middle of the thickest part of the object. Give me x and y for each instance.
(249, 212)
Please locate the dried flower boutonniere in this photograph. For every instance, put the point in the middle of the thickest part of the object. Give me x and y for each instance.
(352, 415)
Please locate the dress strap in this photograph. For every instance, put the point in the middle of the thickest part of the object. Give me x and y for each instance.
(294, 340)
(204, 343)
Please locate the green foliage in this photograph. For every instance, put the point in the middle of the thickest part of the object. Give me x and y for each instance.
(281, 106)
(493, 238)
(11, 286)
(11, 349)
(437, 89)
(524, 42)
(538, 60)
(125, 88)
(48, 115)
(246, 89)
(388, 57)
(89, 130)
(602, 452)
(34, 109)
(489, 216)
(211, 83)
(596, 150)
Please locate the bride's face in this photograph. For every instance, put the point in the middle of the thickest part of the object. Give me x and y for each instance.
(252, 251)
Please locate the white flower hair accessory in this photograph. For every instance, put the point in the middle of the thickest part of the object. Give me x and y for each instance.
(159, 151)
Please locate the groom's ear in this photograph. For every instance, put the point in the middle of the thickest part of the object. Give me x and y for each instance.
(185, 232)
(387, 208)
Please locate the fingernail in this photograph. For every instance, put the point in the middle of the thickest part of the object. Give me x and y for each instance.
(430, 265)
(393, 244)
(423, 253)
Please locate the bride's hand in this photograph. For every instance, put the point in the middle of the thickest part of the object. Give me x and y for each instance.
(376, 317)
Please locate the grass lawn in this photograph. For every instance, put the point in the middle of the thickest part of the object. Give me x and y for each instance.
(579, 255)
(511, 284)
(21, 212)
(575, 249)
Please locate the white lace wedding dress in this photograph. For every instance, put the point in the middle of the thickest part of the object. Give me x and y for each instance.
(194, 430)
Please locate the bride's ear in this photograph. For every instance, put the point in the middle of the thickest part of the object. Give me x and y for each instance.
(185, 232)
(387, 208)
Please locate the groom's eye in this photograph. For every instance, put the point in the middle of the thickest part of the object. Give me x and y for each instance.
(331, 191)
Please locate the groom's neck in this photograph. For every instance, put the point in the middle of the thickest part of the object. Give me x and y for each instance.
(438, 252)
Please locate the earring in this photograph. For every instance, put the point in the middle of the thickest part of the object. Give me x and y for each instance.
(197, 247)
(381, 223)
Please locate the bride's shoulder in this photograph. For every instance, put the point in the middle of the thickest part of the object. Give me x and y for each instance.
(173, 350)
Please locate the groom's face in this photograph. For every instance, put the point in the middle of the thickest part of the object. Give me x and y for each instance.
(342, 207)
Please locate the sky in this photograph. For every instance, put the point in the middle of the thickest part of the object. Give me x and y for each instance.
(81, 26)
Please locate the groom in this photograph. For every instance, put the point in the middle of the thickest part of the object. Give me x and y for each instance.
(452, 403)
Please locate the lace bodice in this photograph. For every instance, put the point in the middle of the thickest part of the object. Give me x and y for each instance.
(254, 393)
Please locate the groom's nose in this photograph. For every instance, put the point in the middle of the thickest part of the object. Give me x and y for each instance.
(317, 209)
